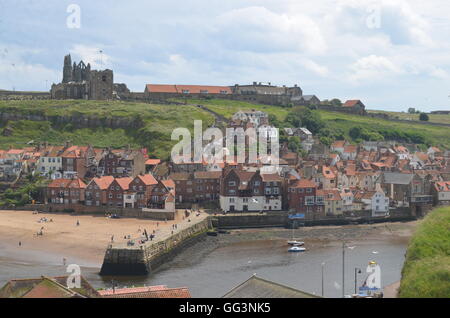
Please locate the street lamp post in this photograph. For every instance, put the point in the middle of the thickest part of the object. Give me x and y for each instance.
(343, 269)
(357, 271)
(323, 265)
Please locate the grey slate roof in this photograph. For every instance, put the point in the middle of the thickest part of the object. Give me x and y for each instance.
(397, 178)
(256, 287)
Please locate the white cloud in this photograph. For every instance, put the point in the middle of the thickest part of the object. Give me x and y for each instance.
(93, 55)
(373, 67)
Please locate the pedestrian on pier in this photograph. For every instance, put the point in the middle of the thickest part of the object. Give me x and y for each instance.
(20, 243)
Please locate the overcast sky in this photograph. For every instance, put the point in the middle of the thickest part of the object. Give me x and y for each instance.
(391, 54)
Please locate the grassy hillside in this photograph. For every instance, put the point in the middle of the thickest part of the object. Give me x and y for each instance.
(434, 118)
(426, 272)
(158, 123)
(432, 135)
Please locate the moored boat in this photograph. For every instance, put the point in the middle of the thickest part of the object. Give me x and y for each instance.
(296, 249)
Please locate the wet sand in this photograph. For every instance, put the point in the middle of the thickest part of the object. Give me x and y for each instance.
(62, 238)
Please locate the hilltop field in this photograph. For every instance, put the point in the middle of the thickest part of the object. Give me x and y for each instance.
(151, 125)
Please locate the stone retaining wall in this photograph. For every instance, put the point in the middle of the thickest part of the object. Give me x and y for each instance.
(142, 260)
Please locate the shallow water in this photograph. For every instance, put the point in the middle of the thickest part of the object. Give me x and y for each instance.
(215, 273)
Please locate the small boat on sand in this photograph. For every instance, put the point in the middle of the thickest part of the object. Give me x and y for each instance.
(296, 243)
(296, 249)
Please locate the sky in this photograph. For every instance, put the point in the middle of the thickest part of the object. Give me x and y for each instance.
(391, 54)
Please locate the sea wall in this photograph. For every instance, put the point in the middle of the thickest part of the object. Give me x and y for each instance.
(143, 259)
(281, 219)
(102, 210)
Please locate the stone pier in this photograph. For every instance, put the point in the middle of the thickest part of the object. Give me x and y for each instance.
(141, 259)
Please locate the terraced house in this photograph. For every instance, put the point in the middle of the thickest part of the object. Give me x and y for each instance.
(66, 192)
(121, 163)
(250, 191)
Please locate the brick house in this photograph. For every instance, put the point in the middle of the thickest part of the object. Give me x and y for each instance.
(116, 191)
(121, 163)
(141, 187)
(242, 191)
(76, 160)
(301, 196)
(96, 191)
(206, 185)
(66, 191)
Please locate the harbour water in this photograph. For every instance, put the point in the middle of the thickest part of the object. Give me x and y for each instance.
(215, 265)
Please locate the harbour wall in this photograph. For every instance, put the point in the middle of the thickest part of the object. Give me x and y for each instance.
(281, 219)
(143, 259)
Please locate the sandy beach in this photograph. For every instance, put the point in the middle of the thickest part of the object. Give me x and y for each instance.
(62, 238)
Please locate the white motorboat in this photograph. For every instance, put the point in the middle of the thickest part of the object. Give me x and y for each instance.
(296, 249)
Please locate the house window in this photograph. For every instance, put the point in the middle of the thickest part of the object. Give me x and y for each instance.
(231, 183)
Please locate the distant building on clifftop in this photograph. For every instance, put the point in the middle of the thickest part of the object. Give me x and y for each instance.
(80, 82)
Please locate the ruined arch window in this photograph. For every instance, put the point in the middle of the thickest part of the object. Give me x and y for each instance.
(104, 78)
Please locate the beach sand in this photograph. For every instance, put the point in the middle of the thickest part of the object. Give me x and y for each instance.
(62, 238)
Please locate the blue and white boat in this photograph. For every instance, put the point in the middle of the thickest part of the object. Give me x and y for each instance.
(296, 249)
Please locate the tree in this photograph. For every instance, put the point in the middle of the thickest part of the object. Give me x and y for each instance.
(424, 117)
(294, 144)
(304, 117)
(336, 102)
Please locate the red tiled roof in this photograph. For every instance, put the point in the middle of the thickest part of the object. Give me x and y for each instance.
(193, 89)
(124, 183)
(350, 148)
(304, 183)
(65, 183)
(197, 89)
(442, 186)
(338, 144)
(147, 292)
(103, 182)
(153, 162)
(161, 88)
(351, 103)
(168, 183)
(148, 179)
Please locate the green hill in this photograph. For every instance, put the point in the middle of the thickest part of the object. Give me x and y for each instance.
(116, 124)
(426, 272)
(100, 123)
(339, 124)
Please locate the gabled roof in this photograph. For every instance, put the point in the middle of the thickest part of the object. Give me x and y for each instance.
(124, 183)
(46, 287)
(272, 177)
(351, 103)
(257, 288)
(67, 183)
(147, 292)
(103, 182)
(303, 183)
(147, 179)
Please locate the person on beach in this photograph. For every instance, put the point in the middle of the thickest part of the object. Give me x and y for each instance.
(112, 238)
(64, 261)
(78, 223)
(20, 243)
